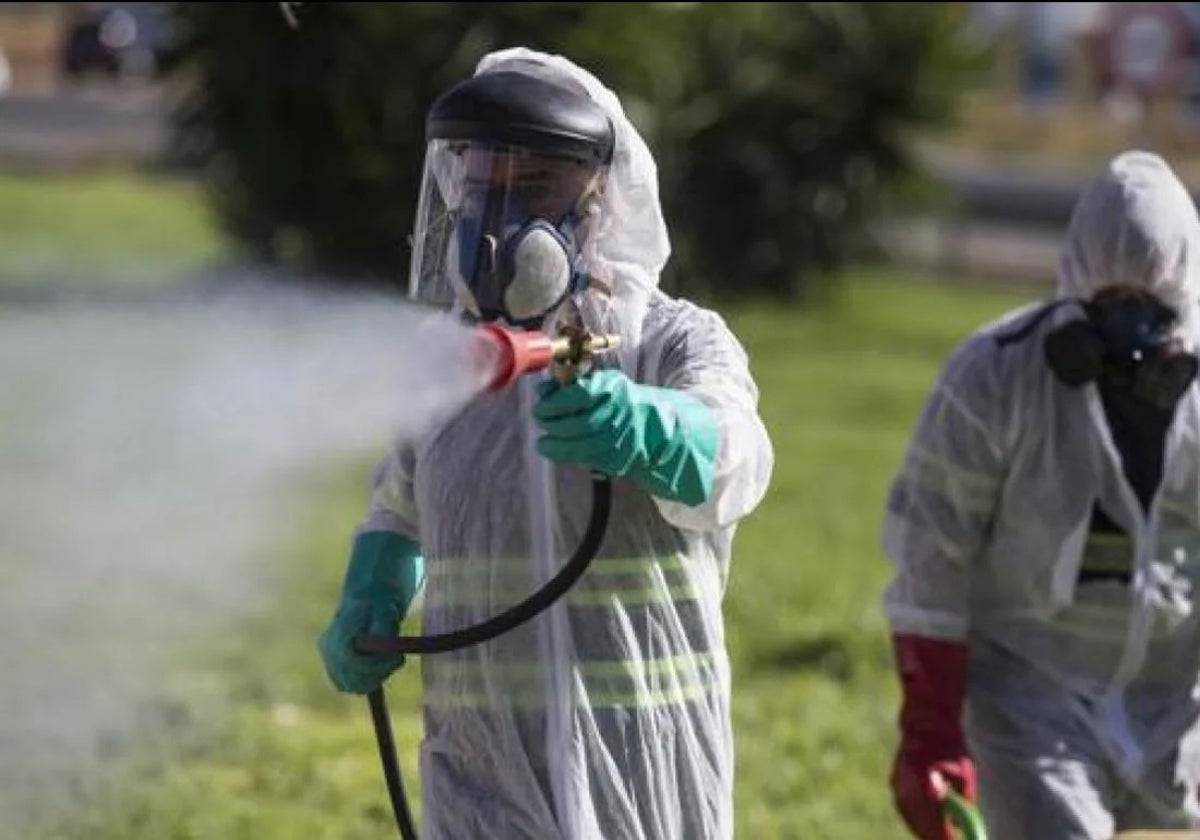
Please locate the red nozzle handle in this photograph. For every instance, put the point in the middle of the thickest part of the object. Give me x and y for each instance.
(515, 353)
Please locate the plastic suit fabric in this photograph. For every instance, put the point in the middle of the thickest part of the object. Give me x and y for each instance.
(608, 716)
(1083, 697)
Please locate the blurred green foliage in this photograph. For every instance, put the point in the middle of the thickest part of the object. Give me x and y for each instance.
(793, 124)
(778, 128)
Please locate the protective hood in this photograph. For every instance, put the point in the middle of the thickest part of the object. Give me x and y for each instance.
(628, 247)
(1136, 224)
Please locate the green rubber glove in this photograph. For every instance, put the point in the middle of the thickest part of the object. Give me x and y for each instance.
(383, 576)
(664, 440)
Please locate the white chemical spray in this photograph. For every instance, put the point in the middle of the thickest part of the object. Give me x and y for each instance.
(142, 447)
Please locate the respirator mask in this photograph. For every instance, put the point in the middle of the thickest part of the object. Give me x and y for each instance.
(1128, 339)
(514, 168)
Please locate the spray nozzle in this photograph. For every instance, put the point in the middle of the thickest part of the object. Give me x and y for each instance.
(507, 354)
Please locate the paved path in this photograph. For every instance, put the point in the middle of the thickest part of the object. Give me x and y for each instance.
(83, 126)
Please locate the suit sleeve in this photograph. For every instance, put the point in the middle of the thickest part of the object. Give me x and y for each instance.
(699, 355)
(940, 506)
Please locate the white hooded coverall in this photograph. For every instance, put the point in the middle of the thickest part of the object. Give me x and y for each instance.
(607, 717)
(1083, 696)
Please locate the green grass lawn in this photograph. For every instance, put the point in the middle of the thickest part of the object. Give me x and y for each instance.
(109, 227)
(251, 742)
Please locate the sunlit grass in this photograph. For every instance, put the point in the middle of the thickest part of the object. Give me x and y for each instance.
(111, 227)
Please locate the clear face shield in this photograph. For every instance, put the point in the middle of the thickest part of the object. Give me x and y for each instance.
(498, 230)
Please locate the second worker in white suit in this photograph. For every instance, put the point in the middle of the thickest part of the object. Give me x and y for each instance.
(1045, 531)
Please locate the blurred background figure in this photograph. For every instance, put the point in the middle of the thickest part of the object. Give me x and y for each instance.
(1045, 547)
(1044, 36)
(1045, 31)
(128, 42)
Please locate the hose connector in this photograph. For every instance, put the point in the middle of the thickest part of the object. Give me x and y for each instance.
(574, 350)
(508, 354)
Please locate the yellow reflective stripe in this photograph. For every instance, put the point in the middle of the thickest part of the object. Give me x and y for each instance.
(599, 597)
(1172, 537)
(1083, 618)
(1181, 510)
(664, 665)
(1114, 552)
(627, 565)
(593, 699)
(1106, 564)
(442, 568)
(632, 597)
(980, 482)
(1177, 548)
(526, 696)
(948, 476)
(689, 663)
(518, 568)
(618, 682)
(1178, 538)
(646, 700)
(1107, 553)
(620, 581)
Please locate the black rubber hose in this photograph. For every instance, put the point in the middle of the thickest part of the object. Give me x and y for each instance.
(391, 768)
(518, 614)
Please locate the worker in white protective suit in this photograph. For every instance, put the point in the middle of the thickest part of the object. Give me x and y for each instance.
(608, 716)
(1045, 534)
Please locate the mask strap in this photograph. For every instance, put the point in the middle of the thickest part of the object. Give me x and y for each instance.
(567, 229)
(1024, 330)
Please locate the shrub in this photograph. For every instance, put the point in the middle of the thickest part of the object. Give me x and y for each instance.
(778, 128)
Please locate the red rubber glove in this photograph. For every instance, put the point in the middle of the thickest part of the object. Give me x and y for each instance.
(933, 680)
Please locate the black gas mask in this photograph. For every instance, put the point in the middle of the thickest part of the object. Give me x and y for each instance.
(1126, 339)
